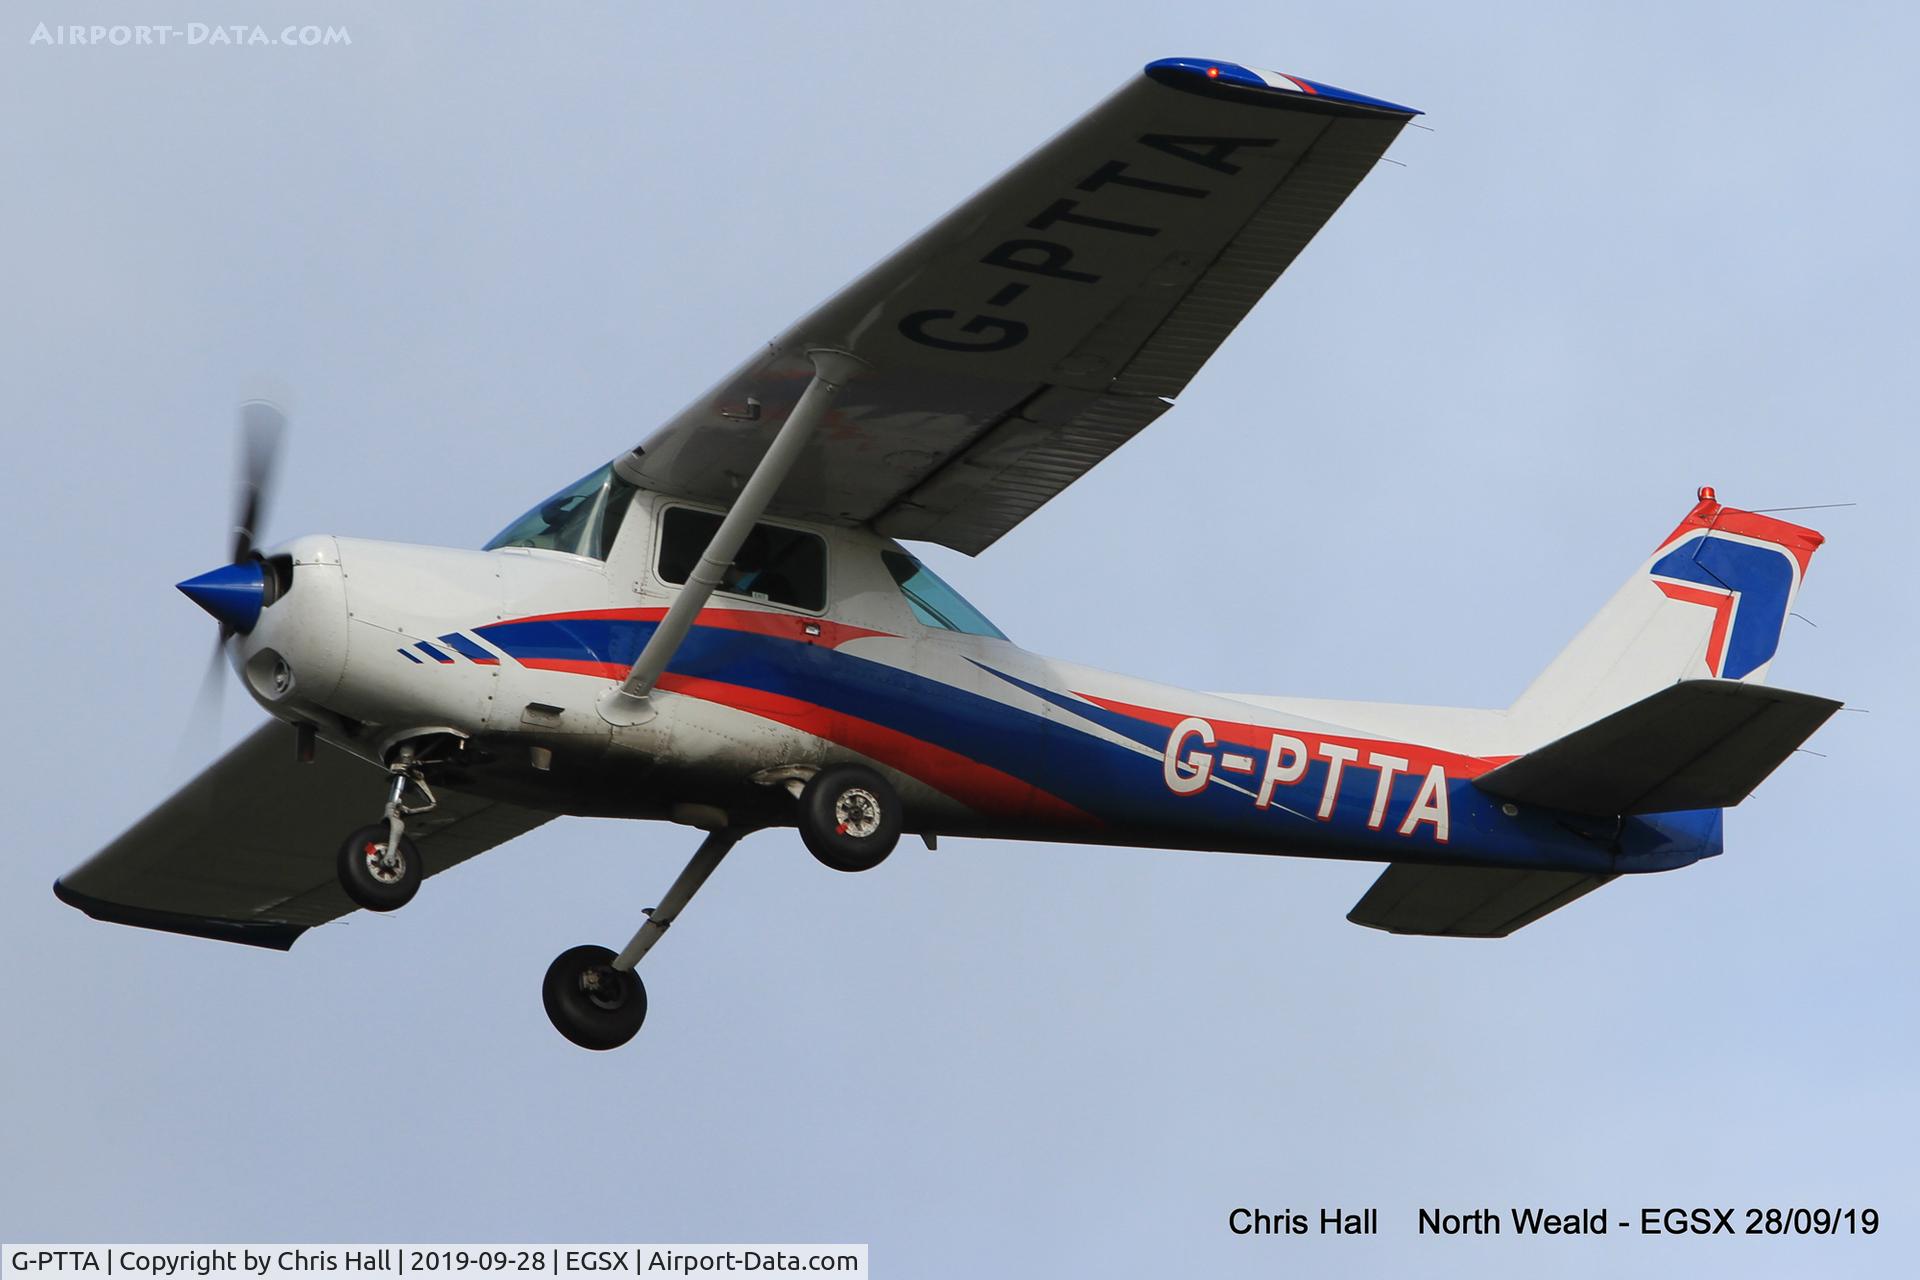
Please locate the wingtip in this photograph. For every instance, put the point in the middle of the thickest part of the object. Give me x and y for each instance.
(273, 935)
(1201, 72)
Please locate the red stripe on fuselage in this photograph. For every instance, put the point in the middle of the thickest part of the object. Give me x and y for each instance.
(1419, 758)
(980, 787)
(578, 667)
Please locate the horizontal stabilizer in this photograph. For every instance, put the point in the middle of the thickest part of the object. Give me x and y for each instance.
(1698, 744)
(1466, 902)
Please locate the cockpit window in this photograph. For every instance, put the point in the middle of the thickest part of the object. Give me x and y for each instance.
(933, 601)
(780, 566)
(582, 518)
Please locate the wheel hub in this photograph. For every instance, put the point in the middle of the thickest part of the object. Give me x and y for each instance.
(383, 865)
(603, 987)
(856, 813)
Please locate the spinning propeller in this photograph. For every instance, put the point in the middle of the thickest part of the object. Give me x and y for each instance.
(236, 592)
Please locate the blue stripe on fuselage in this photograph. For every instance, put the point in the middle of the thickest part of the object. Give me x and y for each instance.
(1123, 787)
(1477, 822)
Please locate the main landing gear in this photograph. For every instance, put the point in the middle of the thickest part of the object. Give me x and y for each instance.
(593, 997)
(592, 1003)
(849, 816)
(380, 869)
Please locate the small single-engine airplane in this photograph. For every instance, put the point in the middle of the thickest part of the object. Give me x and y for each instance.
(719, 628)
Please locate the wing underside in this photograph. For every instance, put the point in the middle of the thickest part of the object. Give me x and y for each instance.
(1042, 324)
(245, 851)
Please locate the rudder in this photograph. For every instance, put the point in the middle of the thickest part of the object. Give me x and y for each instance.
(1709, 603)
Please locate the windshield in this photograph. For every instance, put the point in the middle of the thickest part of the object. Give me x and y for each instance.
(582, 518)
(933, 601)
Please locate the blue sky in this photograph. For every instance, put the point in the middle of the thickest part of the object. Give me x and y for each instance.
(1642, 248)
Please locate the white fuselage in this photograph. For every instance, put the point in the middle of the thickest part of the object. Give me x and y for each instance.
(509, 651)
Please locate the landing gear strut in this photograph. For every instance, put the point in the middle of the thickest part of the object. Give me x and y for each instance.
(380, 869)
(593, 997)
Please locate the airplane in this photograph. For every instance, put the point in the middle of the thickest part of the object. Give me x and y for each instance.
(723, 627)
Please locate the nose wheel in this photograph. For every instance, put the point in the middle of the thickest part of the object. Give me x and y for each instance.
(377, 872)
(380, 869)
(592, 1003)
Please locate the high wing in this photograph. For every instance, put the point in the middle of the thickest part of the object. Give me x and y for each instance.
(245, 852)
(1036, 328)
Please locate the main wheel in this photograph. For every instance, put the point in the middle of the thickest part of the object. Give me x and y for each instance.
(849, 817)
(375, 879)
(592, 1003)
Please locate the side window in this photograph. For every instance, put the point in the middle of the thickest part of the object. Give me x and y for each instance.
(934, 602)
(780, 566)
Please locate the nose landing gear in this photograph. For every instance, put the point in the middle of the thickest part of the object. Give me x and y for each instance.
(377, 872)
(380, 869)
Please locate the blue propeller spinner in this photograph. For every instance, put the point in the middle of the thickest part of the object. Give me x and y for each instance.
(233, 594)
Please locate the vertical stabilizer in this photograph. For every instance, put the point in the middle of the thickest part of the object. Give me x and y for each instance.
(1709, 603)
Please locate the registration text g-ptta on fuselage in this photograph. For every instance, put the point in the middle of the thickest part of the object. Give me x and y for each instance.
(1195, 758)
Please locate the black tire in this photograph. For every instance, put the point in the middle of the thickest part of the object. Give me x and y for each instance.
(590, 1002)
(850, 817)
(372, 885)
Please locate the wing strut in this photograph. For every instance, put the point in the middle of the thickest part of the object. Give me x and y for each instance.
(628, 703)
